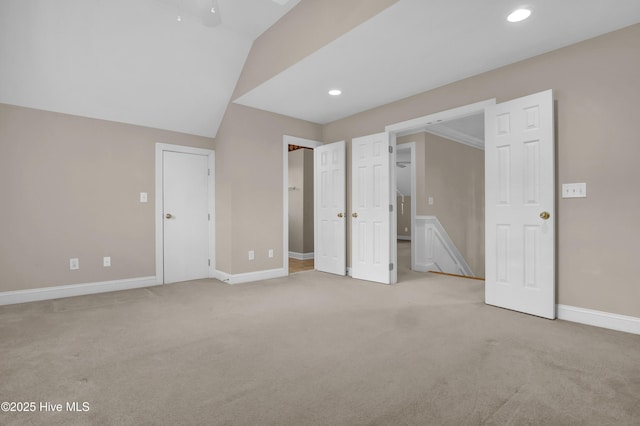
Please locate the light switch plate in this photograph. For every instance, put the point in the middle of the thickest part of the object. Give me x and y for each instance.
(574, 190)
(143, 197)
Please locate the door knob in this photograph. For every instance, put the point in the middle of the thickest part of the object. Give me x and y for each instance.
(169, 216)
(545, 215)
(340, 215)
(354, 214)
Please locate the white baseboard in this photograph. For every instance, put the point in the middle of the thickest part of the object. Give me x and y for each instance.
(301, 256)
(599, 319)
(57, 292)
(250, 276)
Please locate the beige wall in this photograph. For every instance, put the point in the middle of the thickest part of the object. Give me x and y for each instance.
(301, 201)
(70, 185)
(296, 200)
(309, 26)
(249, 177)
(70, 188)
(596, 87)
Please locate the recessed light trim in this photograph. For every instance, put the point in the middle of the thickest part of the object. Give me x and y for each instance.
(519, 15)
(335, 92)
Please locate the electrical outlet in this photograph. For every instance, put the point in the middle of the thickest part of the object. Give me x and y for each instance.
(430, 201)
(406, 229)
(74, 263)
(270, 252)
(106, 261)
(143, 197)
(252, 255)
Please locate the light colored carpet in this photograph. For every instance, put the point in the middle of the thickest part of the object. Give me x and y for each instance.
(312, 349)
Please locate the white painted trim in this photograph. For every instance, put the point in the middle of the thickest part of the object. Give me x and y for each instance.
(419, 124)
(599, 319)
(286, 141)
(393, 215)
(433, 258)
(302, 256)
(159, 213)
(250, 276)
(57, 292)
(456, 136)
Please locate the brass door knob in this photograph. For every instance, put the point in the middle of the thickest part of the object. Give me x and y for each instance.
(169, 216)
(545, 215)
(354, 214)
(340, 215)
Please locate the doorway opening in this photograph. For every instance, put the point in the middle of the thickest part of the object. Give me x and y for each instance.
(298, 204)
(301, 201)
(448, 185)
(405, 200)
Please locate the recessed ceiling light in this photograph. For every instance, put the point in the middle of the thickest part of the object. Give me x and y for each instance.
(519, 15)
(335, 92)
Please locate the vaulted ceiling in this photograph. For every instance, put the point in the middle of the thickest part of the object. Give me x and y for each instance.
(132, 61)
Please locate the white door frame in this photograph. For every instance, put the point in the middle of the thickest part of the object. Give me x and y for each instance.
(420, 124)
(160, 148)
(286, 141)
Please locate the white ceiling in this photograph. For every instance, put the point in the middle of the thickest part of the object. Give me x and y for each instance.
(417, 45)
(131, 61)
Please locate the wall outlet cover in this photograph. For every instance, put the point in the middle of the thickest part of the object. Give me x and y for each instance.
(74, 263)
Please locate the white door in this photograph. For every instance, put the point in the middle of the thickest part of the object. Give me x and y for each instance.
(186, 216)
(370, 207)
(330, 209)
(520, 197)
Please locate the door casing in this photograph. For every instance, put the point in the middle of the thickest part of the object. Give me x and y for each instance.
(420, 124)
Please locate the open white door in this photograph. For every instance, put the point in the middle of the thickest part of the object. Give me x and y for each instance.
(520, 205)
(329, 183)
(371, 211)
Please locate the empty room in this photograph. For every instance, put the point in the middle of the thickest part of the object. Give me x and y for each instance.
(303, 212)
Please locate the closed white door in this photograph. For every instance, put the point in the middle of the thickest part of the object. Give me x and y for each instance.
(330, 209)
(370, 207)
(186, 216)
(520, 205)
